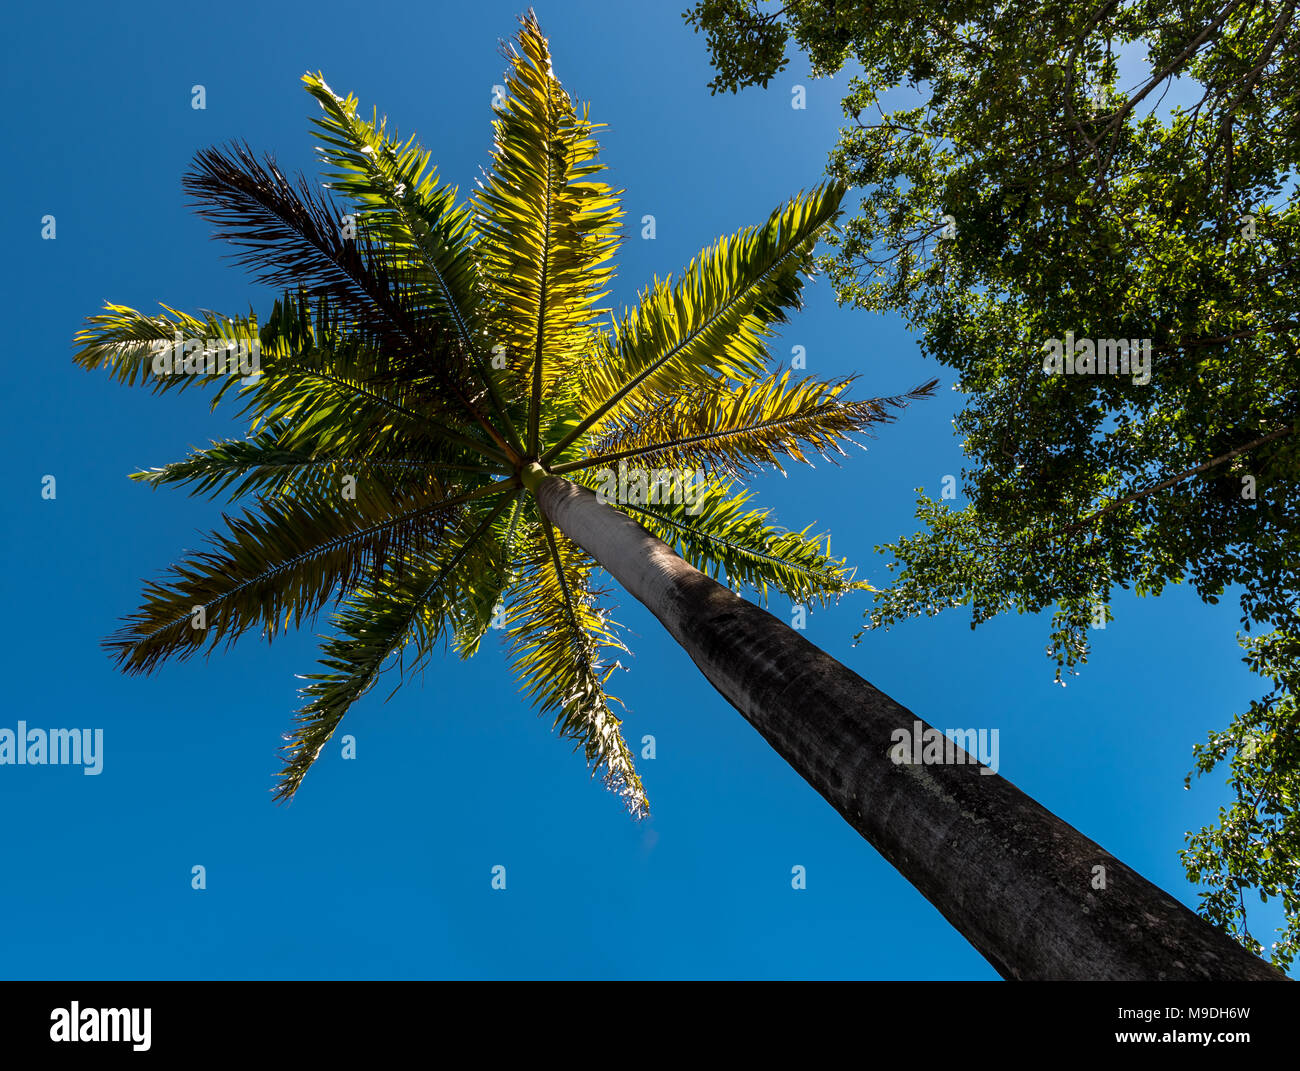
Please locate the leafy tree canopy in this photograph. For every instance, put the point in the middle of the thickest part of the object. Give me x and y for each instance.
(1046, 178)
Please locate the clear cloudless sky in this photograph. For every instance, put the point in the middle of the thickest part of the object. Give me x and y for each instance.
(381, 868)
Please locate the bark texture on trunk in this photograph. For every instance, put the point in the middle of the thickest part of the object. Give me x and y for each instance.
(1015, 880)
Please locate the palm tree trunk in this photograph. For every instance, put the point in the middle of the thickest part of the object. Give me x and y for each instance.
(1014, 879)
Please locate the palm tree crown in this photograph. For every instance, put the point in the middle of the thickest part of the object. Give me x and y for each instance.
(431, 361)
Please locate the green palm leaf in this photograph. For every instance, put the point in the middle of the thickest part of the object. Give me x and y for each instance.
(415, 608)
(714, 322)
(737, 428)
(713, 530)
(549, 229)
(560, 645)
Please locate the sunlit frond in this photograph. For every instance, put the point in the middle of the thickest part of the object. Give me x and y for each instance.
(550, 229)
(712, 526)
(560, 646)
(734, 429)
(715, 321)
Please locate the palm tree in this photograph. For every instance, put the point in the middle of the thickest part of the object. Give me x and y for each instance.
(439, 418)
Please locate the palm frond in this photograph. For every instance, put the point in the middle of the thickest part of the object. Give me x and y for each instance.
(549, 230)
(736, 429)
(560, 641)
(287, 234)
(492, 584)
(279, 566)
(715, 321)
(265, 465)
(128, 344)
(713, 528)
(306, 362)
(323, 374)
(415, 221)
(419, 606)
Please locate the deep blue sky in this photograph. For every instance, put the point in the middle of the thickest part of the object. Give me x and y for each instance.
(381, 868)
